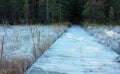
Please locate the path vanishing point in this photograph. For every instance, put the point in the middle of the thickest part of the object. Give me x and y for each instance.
(76, 52)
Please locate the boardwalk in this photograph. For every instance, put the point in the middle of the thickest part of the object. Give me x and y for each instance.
(76, 52)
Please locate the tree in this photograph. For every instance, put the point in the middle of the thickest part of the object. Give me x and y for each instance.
(102, 11)
(94, 11)
(15, 10)
(60, 11)
(76, 11)
(4, 9)
(35, 11)
(116, 9)
(111, 15)
(47, 11)
(66, 6)
(26, 11)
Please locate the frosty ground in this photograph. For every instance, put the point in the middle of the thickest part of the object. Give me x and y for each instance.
(76, 52)
(108, 35)
(23, 44)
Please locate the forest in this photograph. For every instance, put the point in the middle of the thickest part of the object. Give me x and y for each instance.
(49, 11)
(59, 36)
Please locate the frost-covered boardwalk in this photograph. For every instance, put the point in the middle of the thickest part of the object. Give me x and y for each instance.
(76, 52)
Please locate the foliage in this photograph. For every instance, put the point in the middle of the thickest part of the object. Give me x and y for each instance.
(102, 11)
(50, 11)
(116, 10)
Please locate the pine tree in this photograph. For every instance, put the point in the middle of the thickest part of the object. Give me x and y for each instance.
(15, 7)
(26, 11)
(116, 9)
(3, 10)
(111, 15)
(60, 11)
(47, 11)
(94, 11)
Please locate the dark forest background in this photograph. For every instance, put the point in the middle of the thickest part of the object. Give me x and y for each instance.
(50, 11)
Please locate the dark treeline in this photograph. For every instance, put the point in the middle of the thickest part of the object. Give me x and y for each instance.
(34, 11)
(48, 11)
(102, 11)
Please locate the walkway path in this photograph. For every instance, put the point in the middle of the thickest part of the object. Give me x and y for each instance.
(76, 52)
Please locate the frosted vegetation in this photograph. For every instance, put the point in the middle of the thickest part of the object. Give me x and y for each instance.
(22, 45)
(76, 52)
(107, 35)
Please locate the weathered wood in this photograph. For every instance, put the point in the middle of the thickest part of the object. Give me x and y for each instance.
(76, 52)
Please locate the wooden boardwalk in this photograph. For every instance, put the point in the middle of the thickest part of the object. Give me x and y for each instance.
(76, 52)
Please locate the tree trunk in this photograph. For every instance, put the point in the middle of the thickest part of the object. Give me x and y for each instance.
(47, 11)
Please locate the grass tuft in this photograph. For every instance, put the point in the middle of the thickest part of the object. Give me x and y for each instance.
(2, 47)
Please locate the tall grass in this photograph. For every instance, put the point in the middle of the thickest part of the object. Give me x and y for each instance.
(2, 47)
(16, 35)
(18, 64)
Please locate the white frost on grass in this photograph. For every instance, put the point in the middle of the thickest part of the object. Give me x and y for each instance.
(111, 33)
(27, 43)
(76, 52)
(107, 35)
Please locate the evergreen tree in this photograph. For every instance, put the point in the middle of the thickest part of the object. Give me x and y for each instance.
(15, 7)
(54, 10)
(26, 11)
(111, 15)
(116, 9)
(47, 11)
(94, 11)
(4, 9)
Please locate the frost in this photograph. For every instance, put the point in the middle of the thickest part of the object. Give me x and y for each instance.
(107, 35)
(24, 44)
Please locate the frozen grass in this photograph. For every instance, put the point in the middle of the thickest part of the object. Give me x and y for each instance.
(22, 45)
(108, 35)
(2, 47)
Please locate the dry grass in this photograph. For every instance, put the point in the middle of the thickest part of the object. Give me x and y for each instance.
(107, 35)
(16, 35)
(18, 64)
(15, 66)
(8, 67)
(34, 47)
(2, 47)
